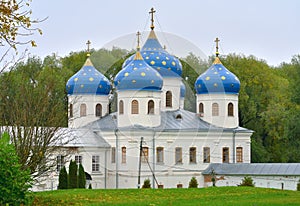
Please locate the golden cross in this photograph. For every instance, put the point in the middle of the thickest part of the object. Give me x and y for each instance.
(88, 43)
(138, 34)
(152, 17)
(217, 46)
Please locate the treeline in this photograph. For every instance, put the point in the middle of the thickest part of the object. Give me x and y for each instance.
(269, 100)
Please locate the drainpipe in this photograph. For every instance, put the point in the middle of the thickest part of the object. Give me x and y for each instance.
(105, 170)
(153, 160)
(117, 158)
(233, 146)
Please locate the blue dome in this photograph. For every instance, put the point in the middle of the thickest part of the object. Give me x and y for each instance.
(138, 75)
(217, 79)
(155, 56)
(182, 90)
(88, 80)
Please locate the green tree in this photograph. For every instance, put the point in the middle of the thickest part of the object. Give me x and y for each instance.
(146, 184)
(14, 182)
(193, 183)
(63, 179)
(81, 177)
(36, 94)
(73, 179)
(247, 181)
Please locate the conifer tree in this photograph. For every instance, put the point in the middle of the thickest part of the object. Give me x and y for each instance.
(193, 183)
(81, 177)
(73, 175)
(63, 179)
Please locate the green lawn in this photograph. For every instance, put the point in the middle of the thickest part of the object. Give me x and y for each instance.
(204, 196)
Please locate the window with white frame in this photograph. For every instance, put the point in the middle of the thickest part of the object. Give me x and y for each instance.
(78, 159)
(145, 153)
(59, 162)
(113, 155)
(123, 154)
(206, 155)
(95, 163)
(239, 154)
(178, 155)
(192, 154)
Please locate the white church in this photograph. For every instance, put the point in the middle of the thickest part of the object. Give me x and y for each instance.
(152, 136)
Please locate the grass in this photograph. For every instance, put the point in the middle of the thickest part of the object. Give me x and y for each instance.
(204, 196)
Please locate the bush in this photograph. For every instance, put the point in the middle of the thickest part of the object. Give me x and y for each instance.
(14, 182)
(193, 183)
(146, 184)
(81, 177)
(247, 181)
(73, 183)
(298, 186)
(90, 186)
(63, 179)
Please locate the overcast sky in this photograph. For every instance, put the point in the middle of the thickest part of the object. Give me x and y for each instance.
(267, 29)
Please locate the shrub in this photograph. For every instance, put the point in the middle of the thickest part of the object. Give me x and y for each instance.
(63, 179)
(14, 182)
(146, 184)
(90, 186)
(81, 177)
(193, 183)
(247, 181)
(298, 186)
(73, 175)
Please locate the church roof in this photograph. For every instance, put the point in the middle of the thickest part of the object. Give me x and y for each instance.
(217, 79)
(138, 75)
(254, 169)
(81, 138)
(88, 80)
(179, 120)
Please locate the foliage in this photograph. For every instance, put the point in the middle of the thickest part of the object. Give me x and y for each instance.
(36, 95)
(146, 184)
(73, 179)
(14, 182)
(90, 186)
(206, 196)
(63, 179)
(193, 183)
(81, 177)
(247, 181)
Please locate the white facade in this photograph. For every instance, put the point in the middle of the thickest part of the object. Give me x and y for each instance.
(171, 84)
(84, 109)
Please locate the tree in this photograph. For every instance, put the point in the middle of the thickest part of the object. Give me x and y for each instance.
(36, 96)
(247, 181)
(14, 182)
(81, 177)
(73, 179)
(17, 26)
(63, 179)
(193, 183)
(146, 184)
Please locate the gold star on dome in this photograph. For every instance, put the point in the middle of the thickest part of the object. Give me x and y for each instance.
(82, 86)
(91, 79)
(215, 85)
(143, 74)
(215, 72)
(147, 57)
(158, 68)
(157, 57)
(152, 62)
(133, 81)
(76, 79)
(126, 74)
(152, 81)
(135, 68)
(167, 58)
(173, 63)
(100, 86)
(84, 74)
(152, 53)
(223, 78)
(199, 85)
(169, 69)
(164, 63)
(207, 78)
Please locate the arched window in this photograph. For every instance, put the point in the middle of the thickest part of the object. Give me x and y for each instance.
(121, 107)
(230, 109)
(215, 109)
(98, 110)
(150, 107)
(134, 107)
(169, 99)
(83, 110)
(201, 108)
(71, 110)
